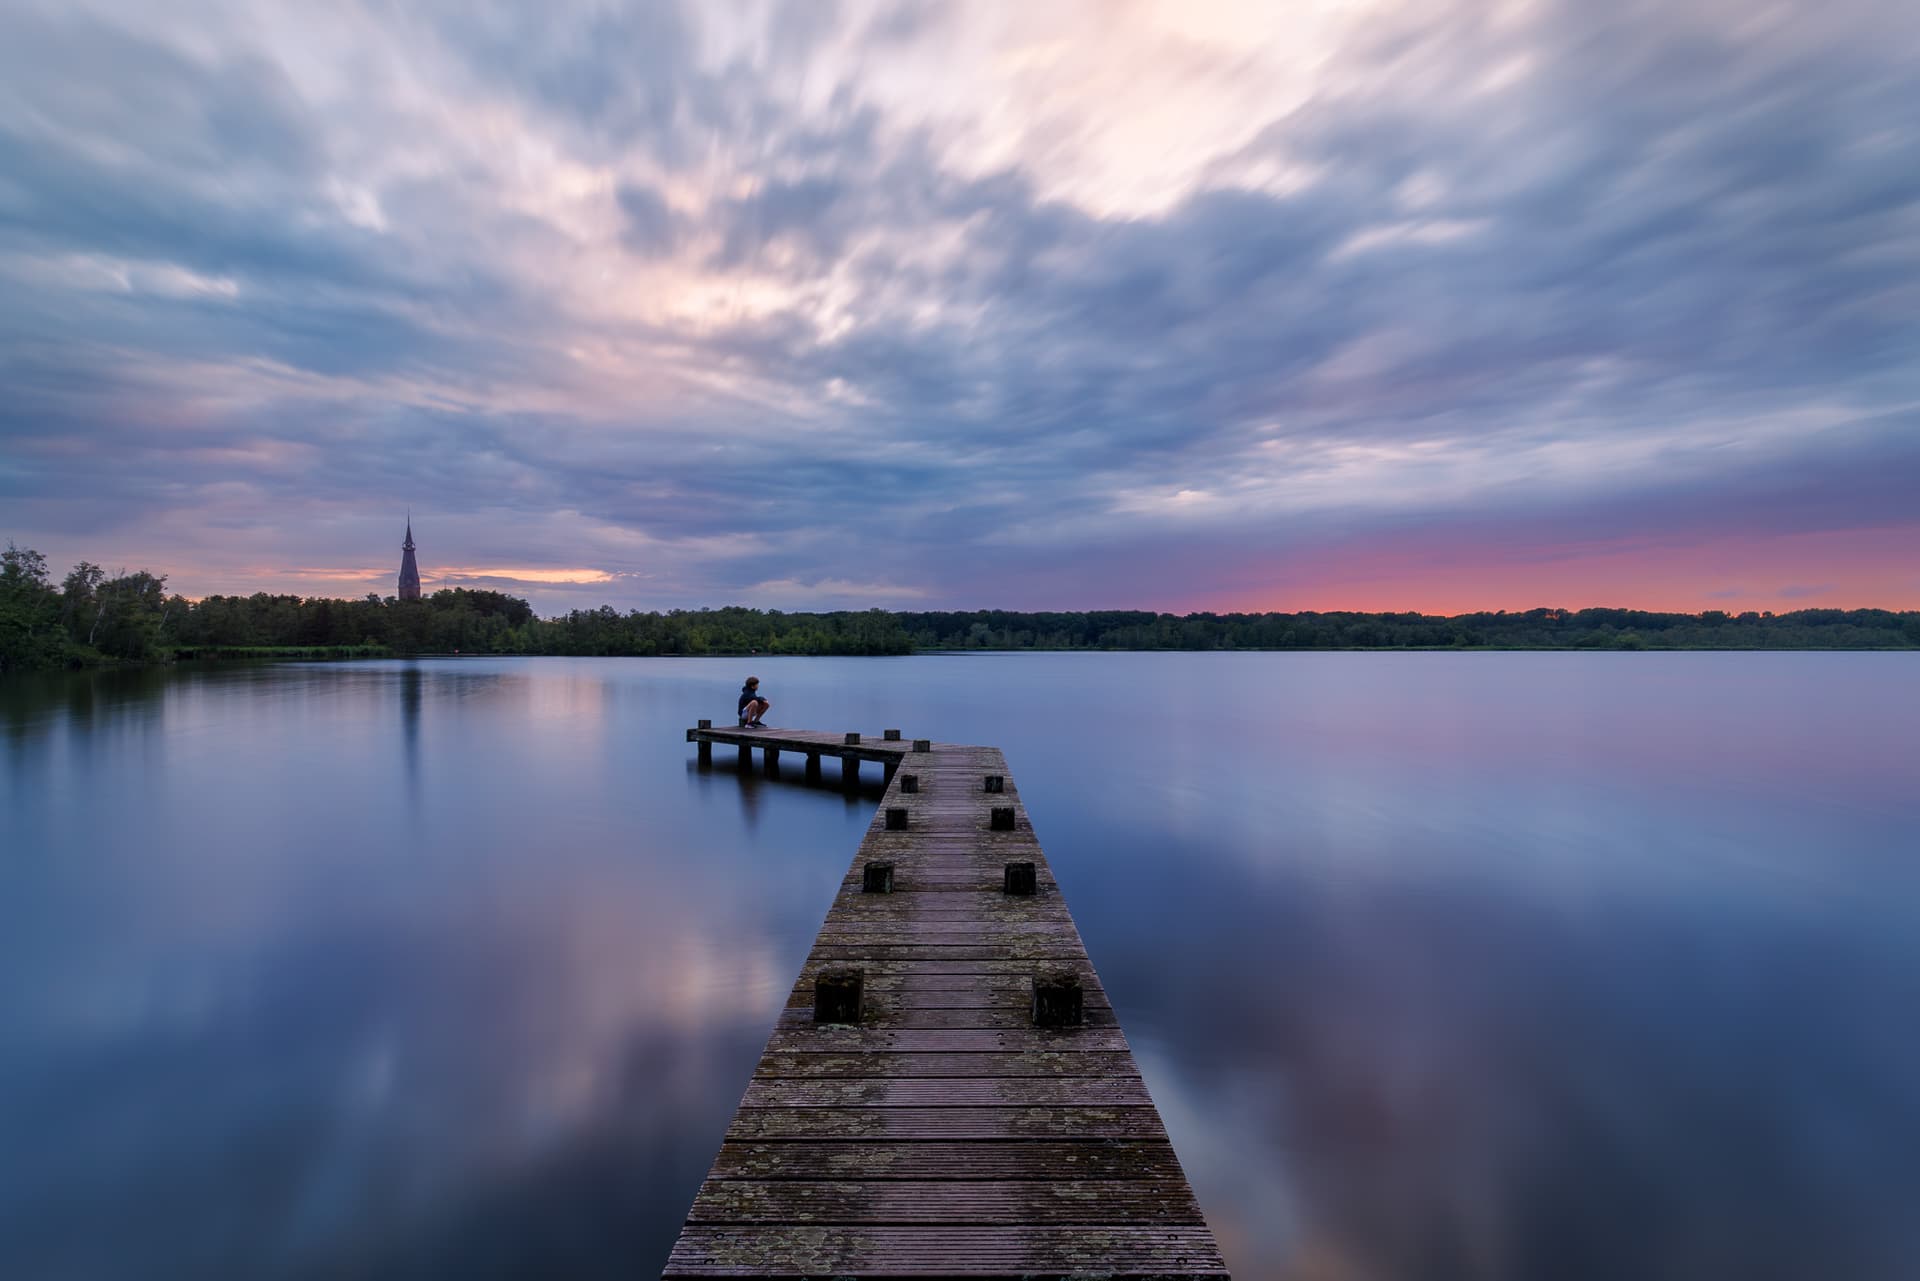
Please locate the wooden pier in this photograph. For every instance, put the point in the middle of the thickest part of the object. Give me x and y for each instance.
(947, 1092)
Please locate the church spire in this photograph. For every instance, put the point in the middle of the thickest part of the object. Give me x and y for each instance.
(409, 569)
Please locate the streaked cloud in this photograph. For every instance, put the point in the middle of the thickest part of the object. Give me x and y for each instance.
(1178, 305)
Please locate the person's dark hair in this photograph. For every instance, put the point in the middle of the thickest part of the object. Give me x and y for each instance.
(753, 680)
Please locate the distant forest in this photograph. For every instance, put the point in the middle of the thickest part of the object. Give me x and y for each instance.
(91, 617)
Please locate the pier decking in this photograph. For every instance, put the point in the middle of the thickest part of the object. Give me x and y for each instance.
(945, 1132)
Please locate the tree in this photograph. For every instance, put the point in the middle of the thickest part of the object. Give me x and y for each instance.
(129, 612)
(30, 632)
(80, 601)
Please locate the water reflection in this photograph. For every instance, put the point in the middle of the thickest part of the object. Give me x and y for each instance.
(747, 773)
(1427, 983)
(237, 1030)
(411, 680)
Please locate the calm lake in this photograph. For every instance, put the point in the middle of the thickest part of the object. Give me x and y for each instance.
(1508, 966)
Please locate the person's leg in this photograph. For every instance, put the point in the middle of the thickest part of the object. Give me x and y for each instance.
(760, 708)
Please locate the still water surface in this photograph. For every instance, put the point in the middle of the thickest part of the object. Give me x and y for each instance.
(1500, 966)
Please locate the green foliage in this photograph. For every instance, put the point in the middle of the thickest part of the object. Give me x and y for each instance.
(92, 618)
(462, 621)
(732, 630)
(31, 635)
(1533, 629)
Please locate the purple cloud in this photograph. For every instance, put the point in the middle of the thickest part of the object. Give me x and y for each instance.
(871, 306)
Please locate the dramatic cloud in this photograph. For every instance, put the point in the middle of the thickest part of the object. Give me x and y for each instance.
(1436, 305)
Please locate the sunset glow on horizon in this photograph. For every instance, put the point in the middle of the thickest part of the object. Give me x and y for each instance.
(1381, 306)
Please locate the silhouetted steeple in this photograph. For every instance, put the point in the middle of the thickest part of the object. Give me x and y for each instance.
(409, 571)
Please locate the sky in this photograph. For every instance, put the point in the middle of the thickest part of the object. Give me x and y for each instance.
(1366, 304)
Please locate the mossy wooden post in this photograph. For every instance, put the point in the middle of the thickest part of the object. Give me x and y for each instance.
(1001, 819)
(896, 818)
(813, 767)
(877, 878)
(996, 783)
(909, 783)
(1057, 1000)
(850, 771)
(837, 993)
(1021, 879)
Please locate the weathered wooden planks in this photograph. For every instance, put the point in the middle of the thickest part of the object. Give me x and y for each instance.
(1074, 1062)
(944, 1134)
(949, 1091)
(1133, 1201)
(1119, 1161)
(1005, 1122)
(1026, 1251)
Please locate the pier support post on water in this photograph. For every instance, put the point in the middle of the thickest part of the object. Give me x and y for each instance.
(1022, 879)
(746, 758)
(923, 745)
(850, 771)
(836, 996)
(909, 782)
(770, 760)
(877, 878)
(705, 752)
(896, 818)
(1002, 819)
(813, 767)
(889, 769)
(891, 735)
(1057, 1000)
(996, 783)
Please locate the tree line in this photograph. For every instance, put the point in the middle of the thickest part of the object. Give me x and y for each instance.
(92, 617)
(1529, 629)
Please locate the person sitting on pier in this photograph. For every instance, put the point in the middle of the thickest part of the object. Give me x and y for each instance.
(752, 706)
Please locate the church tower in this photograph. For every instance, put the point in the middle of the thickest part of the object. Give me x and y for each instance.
(409, 571)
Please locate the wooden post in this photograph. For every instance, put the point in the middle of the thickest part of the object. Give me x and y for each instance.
(853, 738)
(909, 782)
(706, 724)
(850, 771)
(891, 735)
(1056, 999)
(1021, 879)
(813, 767)
(923, 745)
(996, 782)
(889, 768)
(771, 760)
(706, 752)
(836, 996)
(746, 758)
(877, 878)
(896, 818)
(1002, 820)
